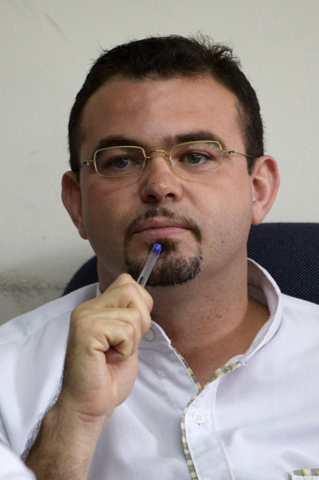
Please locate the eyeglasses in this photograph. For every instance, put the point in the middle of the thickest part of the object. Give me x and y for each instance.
(186, 158)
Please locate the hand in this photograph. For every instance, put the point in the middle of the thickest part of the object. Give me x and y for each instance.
(100, 369)
(102, 360)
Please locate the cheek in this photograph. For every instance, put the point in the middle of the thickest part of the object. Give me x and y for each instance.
(221, 192)
(103, 229)
(225, 209)
(100, 218)
(106, 207)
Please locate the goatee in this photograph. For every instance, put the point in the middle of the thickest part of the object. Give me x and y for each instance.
(170, 269)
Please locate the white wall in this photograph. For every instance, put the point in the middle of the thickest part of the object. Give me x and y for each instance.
(46, 49)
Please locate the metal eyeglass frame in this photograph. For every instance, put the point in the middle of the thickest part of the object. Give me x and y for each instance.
(164, 152)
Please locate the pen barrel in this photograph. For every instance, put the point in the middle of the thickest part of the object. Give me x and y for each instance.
(149, 264)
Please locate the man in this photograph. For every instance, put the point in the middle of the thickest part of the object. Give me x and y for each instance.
(166, 147)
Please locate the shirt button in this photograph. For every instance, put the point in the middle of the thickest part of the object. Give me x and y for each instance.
(149, 335)
(199, 418)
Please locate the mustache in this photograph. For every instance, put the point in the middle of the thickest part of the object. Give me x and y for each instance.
(166, 213)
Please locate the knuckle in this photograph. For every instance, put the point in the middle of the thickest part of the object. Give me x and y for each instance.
(125, 278)
(131, 289)
(136, 316)
(129, 330)
(77, 312)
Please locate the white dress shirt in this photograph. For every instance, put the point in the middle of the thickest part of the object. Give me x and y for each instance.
(11, 467)
(258, 419)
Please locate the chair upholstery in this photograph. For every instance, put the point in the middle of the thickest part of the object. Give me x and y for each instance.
(289, 251)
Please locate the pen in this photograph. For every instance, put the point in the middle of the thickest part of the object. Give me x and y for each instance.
(149, 264)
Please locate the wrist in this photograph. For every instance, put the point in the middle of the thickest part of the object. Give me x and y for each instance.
(65, 445)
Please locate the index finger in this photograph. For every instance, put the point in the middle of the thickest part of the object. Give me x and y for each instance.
(116, 297)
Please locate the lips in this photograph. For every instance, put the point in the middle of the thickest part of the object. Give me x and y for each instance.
(161, 222)
(158, 223)
(160, 227)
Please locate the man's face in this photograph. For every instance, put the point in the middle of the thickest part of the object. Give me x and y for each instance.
(202, 221)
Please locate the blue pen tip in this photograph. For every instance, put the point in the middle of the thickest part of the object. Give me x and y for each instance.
(157, 248)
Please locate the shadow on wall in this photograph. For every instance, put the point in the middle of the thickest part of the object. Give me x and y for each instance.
(35, 283)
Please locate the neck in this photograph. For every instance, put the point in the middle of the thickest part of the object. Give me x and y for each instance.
(209, 321)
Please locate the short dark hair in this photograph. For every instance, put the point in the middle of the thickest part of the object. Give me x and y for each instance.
(165, 58)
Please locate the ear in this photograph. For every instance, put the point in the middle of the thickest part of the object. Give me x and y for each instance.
(265, 183)
(72, 200)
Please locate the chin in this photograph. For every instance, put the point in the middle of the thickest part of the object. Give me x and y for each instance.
(172, 268)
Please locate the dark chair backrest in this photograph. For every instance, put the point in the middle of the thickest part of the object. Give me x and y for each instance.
(289, 251)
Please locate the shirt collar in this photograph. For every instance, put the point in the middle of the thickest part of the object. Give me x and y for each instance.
(261, 287)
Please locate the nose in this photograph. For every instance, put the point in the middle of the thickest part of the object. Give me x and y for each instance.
(159, 183)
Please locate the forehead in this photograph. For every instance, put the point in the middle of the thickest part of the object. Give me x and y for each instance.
(151, 110)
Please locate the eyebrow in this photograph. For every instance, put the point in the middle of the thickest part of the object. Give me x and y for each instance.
(119, 140)
(197, 136)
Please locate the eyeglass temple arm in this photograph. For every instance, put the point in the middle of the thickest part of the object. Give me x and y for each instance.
(233, 152)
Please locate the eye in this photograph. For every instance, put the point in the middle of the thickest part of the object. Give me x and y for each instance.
(109, 162)
(120, 162)
(196, 158)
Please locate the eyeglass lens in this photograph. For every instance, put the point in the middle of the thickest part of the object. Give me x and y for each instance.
(186, 158)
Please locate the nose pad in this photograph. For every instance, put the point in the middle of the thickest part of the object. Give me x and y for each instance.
(161, 153)
(160, 180)
(159, 165)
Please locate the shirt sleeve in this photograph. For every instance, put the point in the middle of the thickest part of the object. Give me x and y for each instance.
(11, 467)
